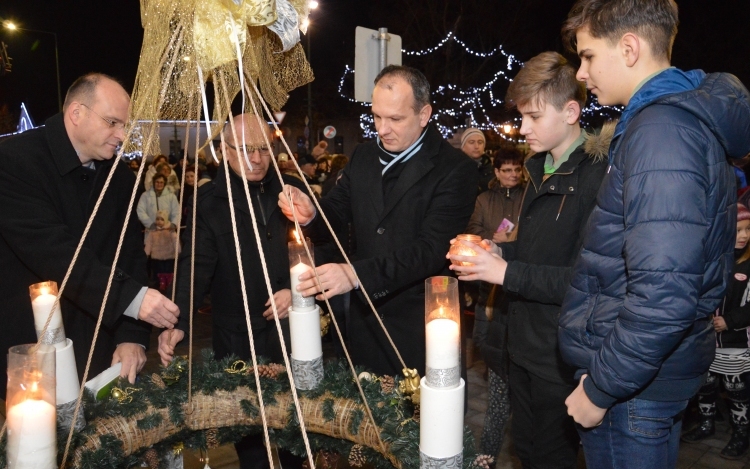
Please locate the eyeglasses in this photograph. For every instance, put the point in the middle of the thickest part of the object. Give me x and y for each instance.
(263, 150)
(110, 122)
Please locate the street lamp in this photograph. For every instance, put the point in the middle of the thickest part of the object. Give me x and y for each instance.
(13, 27)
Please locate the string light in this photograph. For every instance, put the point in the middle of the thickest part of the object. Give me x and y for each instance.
(468, 106)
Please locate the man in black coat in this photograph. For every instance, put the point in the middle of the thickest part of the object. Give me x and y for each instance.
(406, 194)
(50, 179)
(216, 264)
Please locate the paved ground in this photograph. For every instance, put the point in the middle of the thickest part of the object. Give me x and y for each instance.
(702, 455)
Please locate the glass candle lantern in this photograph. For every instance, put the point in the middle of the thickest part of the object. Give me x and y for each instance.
(43, 296)
(30, 407)
(459, 249)
(442, 332)
(299, 263)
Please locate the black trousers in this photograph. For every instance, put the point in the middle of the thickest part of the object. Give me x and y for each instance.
(544, 435)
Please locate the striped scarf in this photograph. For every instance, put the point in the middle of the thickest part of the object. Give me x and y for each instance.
(388, 159)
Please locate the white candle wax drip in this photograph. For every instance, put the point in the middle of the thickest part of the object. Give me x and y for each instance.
(442, 344)
(299, 303)
(32, 440)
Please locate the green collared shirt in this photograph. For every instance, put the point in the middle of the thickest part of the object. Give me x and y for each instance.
(550, 165)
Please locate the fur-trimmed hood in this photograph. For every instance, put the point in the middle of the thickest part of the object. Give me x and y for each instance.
(597, 144)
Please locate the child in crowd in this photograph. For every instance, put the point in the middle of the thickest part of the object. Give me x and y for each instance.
(162, 248)
(732, 362)
(565, 175)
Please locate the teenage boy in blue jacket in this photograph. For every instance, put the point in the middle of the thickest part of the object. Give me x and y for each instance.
(658, 248)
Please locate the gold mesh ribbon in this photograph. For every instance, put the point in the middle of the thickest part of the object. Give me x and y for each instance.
(180, 35)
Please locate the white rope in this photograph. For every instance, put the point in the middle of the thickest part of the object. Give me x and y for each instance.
(317, 279)
(261, 254)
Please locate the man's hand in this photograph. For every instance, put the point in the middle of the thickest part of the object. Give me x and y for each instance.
(486, 265)
(168, 340)
(720, 325)
(303, 206)
(335, 279)
(158, 310)
(580, 407)
(283, 299)
(132, 356)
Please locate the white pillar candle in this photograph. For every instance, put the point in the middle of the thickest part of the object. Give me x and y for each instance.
(32, 442)
(304, 329)
(42, 305)
(66, 374)
(441, 420)
(443, 344)
(300, 303)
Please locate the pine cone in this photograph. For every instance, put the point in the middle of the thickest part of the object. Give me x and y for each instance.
(484, 461)
(416, 415)
(357, 456)
(387, 384)
(152, 458)
(212, 438)
(158, 382)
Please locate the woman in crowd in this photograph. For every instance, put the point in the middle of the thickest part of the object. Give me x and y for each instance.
(151, 170)
(155, 199)
(495, 217)
(732, 362)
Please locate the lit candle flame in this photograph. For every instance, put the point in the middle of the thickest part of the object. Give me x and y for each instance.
(297, 237)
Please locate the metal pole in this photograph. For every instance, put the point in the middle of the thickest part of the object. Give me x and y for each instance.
(57, 68)
(383, 41)
(309, 95)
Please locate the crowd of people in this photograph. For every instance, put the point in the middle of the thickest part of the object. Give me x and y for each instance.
(612, 273)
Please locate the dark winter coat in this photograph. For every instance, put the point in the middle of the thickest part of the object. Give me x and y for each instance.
(658, 249)
(735, 309)
(492, 207)
(485, 171)
(491, 321)
(540, 261)
(216, 264)
(401, 240)
(46, 197)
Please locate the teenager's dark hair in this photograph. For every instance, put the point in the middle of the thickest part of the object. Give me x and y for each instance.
(416, 79)
(654, 20)
(546, 78)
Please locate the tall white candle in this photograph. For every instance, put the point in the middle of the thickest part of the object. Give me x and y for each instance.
(442, 336)
(42, 305)
(32, 439)
(300, 303)
(304, 329)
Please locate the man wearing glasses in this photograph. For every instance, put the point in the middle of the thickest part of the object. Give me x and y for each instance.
(216, 263)
(50, 180)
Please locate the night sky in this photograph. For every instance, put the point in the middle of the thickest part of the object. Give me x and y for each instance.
(106, 36)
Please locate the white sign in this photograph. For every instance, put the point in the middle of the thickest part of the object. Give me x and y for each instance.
(329, 131)
(279, 116)
(367, 60)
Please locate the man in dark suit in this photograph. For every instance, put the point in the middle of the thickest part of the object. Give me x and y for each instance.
(216, 263)
(50, 179)
(406, 194)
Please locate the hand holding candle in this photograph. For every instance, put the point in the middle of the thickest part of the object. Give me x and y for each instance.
(486, 263)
